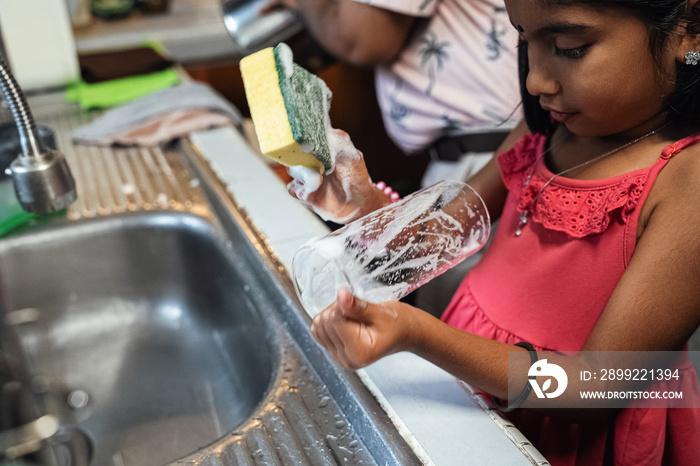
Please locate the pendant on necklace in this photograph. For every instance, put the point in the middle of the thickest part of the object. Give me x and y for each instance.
(521, 224)
(523, 215)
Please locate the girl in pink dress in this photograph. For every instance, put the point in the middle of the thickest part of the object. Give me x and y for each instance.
(598, 245)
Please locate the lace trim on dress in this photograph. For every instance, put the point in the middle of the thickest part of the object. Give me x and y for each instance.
(577, 212)
(581, 212)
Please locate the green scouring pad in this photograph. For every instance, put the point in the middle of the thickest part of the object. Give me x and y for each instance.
(289, 107)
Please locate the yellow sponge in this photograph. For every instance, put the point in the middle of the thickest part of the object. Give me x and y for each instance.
(289, 107)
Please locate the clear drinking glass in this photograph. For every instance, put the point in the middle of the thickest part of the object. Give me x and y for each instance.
(394, 250)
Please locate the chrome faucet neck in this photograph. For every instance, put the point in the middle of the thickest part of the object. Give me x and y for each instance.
(42, 180)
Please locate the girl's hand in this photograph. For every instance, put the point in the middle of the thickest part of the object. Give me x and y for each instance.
(357, 333)
(345, 194)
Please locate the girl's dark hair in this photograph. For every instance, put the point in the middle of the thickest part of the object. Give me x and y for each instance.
(662, 17)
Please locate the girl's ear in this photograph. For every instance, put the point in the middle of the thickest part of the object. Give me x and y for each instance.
(690, 41)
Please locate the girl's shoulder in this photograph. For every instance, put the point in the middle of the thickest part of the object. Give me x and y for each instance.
(677, 186)
(683, 157)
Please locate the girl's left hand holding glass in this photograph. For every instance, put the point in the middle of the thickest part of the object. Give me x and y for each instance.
(357, 333)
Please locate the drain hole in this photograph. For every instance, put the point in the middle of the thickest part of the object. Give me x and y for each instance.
(72, 447)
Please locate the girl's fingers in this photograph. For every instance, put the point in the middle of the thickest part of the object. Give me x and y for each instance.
(332, 323)
(292, 189)
(338, 336)
(351, 306)
(324, 332)
(356, 333)
(319, 333)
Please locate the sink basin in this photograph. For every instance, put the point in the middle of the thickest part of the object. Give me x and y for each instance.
(172, 331)
(150, 317)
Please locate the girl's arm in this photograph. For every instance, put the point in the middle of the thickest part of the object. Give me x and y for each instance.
(357, 333)
(356, 32)
(655, 307)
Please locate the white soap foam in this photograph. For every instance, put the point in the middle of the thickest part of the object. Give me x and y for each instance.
(286, 57)
(305, 181)
(347, 199)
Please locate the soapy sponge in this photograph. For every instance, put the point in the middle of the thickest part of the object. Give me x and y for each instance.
(289, 107)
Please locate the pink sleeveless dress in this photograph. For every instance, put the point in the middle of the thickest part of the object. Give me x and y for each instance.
(548, 287)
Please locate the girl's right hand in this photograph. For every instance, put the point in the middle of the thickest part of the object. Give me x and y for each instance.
(357, 333)
(345, 194)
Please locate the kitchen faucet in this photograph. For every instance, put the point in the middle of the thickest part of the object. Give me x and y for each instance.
(41, 177)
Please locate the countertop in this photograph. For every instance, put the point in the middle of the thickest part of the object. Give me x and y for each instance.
(192, 30)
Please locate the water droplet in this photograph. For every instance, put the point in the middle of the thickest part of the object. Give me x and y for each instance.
(324, 402)
(78, 399)
(162, 199)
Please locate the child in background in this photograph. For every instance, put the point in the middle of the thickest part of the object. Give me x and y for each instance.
(598, 246)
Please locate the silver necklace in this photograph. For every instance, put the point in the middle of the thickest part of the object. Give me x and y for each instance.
(523, 215)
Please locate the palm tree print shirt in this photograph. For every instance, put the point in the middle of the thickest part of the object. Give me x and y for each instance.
(457, 74)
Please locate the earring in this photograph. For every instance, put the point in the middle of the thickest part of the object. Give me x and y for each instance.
(692, 58)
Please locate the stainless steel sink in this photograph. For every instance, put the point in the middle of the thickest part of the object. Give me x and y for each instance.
(172, 330)
(182, 347)
(149, 316)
